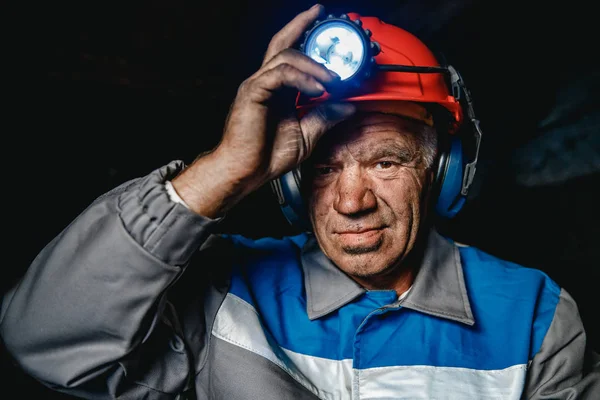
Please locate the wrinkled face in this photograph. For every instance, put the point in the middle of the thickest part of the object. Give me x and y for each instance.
(368, 185)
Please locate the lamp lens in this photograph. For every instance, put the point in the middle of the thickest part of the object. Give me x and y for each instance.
(338, 46)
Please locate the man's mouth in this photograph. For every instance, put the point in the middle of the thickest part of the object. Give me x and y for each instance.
(360, 237)
(360, 230)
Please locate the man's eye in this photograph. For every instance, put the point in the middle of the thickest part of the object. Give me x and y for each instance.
(384, 165)
(323, 170)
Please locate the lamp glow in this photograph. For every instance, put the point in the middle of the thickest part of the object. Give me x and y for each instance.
(338, 46)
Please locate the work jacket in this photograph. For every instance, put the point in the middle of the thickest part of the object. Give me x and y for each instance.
(138, 298)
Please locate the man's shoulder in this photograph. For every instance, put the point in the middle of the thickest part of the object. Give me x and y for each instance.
(482, 266)
(263, 266)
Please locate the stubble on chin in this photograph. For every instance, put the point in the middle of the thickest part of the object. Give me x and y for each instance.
(357, 250)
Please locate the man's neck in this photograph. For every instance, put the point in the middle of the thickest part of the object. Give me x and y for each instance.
(401, 277)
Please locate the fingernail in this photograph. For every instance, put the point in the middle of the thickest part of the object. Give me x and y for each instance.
(315, 6)
(319, 86)
(334, 74)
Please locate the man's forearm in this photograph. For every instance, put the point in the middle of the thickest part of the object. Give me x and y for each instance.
(212, 185)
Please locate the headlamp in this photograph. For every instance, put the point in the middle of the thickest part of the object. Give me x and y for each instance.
(345, 47)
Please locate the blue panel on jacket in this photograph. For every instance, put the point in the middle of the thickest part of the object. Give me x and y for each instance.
(505, 300)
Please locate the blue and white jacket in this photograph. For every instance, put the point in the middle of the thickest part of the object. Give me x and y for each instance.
(122, 304)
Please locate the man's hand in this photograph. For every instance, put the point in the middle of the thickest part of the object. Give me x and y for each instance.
(266, 150)
(263, 137)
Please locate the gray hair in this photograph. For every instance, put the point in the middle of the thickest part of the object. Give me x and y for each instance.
(428, 143)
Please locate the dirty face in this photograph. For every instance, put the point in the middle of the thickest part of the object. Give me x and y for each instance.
(368, 186)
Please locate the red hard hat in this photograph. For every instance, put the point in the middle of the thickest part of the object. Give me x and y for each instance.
(399, 47)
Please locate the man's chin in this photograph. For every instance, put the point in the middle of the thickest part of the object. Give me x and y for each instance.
(362, 248)
(357, 250)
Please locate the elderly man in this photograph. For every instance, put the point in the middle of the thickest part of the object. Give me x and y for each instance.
(370, 302)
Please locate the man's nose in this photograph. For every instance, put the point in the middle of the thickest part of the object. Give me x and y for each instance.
(354, 194)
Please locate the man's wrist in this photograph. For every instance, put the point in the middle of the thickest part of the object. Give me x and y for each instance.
(210, 186)
(173, 195)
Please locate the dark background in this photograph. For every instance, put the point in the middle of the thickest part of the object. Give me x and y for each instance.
(101, 92)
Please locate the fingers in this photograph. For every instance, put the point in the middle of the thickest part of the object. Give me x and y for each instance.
(290, 33)
(321, 119)
(301, 62)
(262, 87)
(287, 67)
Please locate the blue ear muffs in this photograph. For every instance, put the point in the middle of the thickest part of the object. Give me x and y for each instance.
(289, 196)
(448, 185)
(449, 180)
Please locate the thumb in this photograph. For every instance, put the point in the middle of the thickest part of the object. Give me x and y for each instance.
(322, 118)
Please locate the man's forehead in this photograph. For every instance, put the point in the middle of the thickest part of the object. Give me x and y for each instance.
(371, 128)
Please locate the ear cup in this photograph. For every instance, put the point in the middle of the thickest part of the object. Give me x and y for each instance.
(287, 189)
(450, 176)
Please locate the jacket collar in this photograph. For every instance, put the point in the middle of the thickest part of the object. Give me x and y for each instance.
(439, 287)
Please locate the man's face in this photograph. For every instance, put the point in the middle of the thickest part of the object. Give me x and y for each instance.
(368, 185)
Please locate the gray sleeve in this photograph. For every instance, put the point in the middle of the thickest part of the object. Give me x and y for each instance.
(565, 367)
(90, 315)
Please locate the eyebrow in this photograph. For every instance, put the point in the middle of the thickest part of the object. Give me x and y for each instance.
(387, 149)
(392, 150)
(388, 152)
